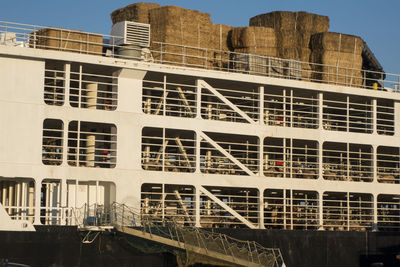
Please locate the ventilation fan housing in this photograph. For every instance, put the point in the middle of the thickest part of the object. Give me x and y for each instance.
(131, 33)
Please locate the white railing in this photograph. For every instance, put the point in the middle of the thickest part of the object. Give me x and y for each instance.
(17, 34)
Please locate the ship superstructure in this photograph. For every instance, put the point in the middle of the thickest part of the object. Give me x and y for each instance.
(243, 141)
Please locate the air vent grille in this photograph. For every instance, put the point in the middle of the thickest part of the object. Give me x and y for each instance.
(131, 33)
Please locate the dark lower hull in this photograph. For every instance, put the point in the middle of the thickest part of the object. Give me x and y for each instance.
(61, 246)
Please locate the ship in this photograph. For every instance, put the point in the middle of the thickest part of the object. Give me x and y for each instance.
(295, 155)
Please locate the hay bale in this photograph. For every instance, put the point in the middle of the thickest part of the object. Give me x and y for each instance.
(289, 53)
(312, 23)
(287, 39)
(220, 45)
(337, 42)
(253, 37)
(330, 74)
(138, 12)
(335, 58)
(278, 20)
(67, 40)
(337, 67)
(181, 27)
(262, 51)
(221, 37)
(304, 57)
(286, 20)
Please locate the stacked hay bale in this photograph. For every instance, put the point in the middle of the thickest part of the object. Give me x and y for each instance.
(341, 56)
(138, 12)
(293, 32)
(67, 40)
(220, 46)
(256, 41)
(185, 27)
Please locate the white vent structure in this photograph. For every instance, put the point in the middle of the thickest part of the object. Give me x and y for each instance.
(131, 33)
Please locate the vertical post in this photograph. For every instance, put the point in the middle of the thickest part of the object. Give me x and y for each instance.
(291, 109)
(320, 159)
(348, 211)
(31, 201)
(321, 209)
(24, 199)
(284, 208)
(11, 186)
(375, 210)
(90, 150)
(198, 154)
(320, 110)
(291, 209)
(261, 105)
(284, 122)
(91, 95)
(163, 150)
(284, 159)
(163, 197)
(18, 199)
(4, 193)
(375, 162)
(37, 193)
(197, 210)
(67, 79)
(261, 209)
(261, 156)
(348, 162)
(291, 158)
(80, 87)
(198, 99)
(374, 116)
(347, 113)
(165, 95)
(63, 201)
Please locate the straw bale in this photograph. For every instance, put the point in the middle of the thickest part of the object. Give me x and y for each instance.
(253, 37)
(335, 58)
(337, 67)
(263, 51)
(293, 38)
(286, 20)
(313, 23)
(67, 40)
(219, 46)
(278, 20)
(221, 37)
(321, 23)
(289, 53)
(303, 39)
(138, 12)
(177, 25)
(334, 75)
(287, 38)
(337, 42)
(304, 54)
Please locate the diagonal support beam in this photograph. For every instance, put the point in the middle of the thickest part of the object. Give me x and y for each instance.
(203, 84)
(226, 207)
(226, 153)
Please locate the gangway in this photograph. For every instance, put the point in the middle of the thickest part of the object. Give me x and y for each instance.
(190, 244)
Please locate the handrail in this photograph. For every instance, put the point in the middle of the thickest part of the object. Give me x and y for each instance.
(194, 240)
(197, 57)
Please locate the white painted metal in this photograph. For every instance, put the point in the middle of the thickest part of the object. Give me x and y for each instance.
(33, 91)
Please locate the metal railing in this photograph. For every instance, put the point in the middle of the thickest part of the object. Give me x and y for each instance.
(33, 36)
(194, 241)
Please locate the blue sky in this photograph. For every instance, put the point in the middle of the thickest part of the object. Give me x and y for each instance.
(377, 22)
